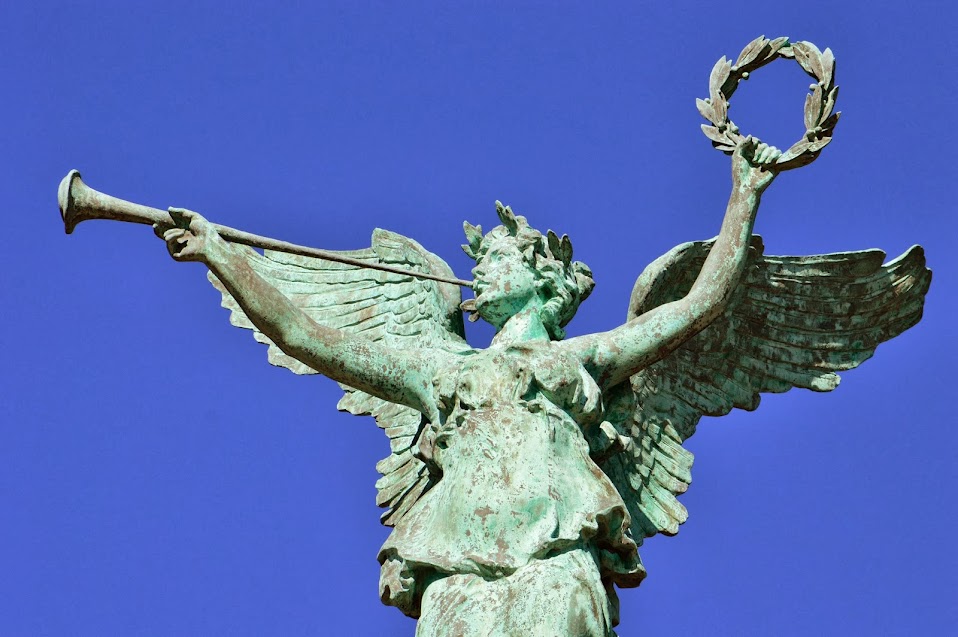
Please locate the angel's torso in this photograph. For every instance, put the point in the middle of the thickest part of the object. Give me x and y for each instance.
(517, 480)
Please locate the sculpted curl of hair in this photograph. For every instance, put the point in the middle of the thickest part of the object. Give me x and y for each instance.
(562, 282)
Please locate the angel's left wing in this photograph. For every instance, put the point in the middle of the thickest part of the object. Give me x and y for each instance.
(398, 310)
(792, 322)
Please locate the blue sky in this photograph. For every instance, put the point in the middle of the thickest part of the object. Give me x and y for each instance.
(158, 477)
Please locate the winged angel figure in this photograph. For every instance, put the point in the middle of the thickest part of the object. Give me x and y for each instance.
(524, 476)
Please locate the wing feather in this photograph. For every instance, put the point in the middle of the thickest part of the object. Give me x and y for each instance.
(399, 310)
(792, 322)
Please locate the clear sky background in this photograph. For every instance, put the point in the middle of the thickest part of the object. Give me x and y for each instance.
(158, 477)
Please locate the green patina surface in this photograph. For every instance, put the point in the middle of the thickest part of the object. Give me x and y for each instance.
(523, 477)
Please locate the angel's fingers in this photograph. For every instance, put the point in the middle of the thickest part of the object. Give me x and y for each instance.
(173, 233)
(183, 251)
(761, 155)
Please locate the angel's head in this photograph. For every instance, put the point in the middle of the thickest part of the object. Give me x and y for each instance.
(515, 262)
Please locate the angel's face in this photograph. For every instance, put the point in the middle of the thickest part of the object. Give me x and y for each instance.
(504, 282)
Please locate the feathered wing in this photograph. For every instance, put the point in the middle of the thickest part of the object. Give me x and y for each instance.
(792, 322)
(400, 311)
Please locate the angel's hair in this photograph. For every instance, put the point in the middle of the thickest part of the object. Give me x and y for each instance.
(564, 283)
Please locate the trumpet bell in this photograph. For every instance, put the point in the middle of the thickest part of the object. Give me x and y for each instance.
(66, 200)
(78, 202)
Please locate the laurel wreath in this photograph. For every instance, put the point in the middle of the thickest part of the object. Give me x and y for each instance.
(820, 114)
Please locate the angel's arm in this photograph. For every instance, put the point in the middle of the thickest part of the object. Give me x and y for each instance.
(393, 375)
(613, 356)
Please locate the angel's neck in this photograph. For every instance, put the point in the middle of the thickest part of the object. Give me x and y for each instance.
(524, 326)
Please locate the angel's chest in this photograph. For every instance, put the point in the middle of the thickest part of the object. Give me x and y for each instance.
(486, 379)
(517, 376)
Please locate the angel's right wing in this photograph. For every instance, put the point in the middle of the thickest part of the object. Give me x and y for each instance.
(792, 322)
(398, 310)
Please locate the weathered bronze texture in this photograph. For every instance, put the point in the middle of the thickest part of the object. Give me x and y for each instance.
(820, 114)
(523, 477)
(78, 202)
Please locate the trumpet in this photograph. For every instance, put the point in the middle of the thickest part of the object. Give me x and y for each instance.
(78, 202)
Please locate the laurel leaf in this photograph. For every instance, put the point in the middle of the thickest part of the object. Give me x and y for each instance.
(507, 217)
(797, 149)
(815, 59)
(828, 68)
(830, 103)
(751, 52)
(819, 144)
(813, 101)
(829, 124)
(473, 236)
(553, 240)
(565, 249)
(787, 51)
(717, 77)
(801, 56)
(715, 135)
(813, 50)
(802, 160)
(777, 45)
(705, 110)
(807, 54)
(720, 109)
(796, 157)
(810, 105)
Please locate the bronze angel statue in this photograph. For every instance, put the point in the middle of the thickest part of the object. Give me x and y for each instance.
(523, 477)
